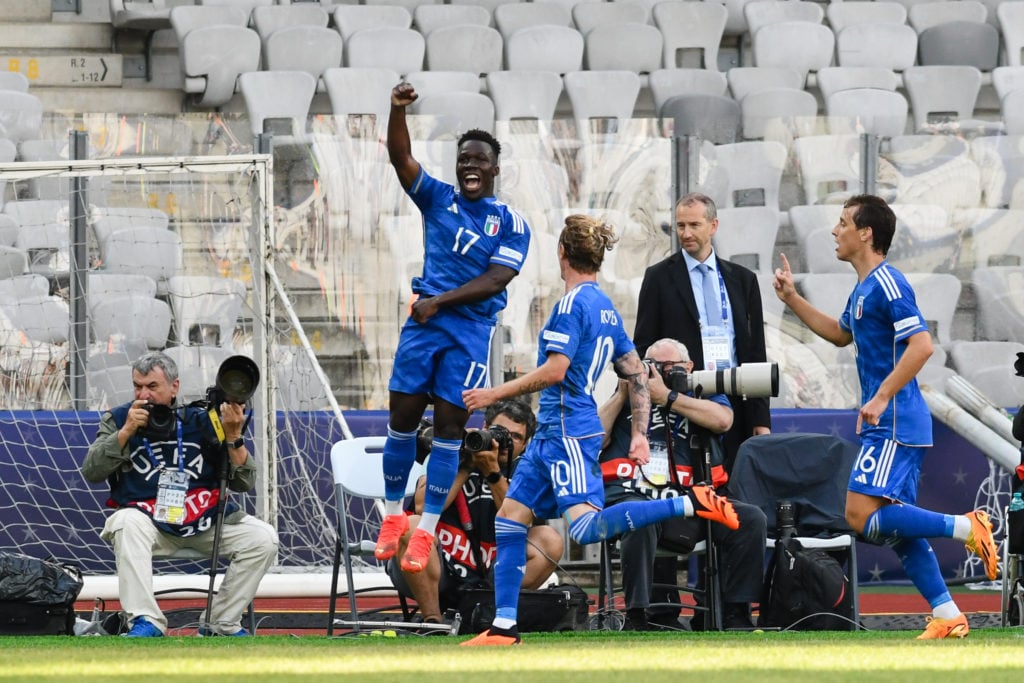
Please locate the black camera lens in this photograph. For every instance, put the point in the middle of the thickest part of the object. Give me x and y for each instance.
(162, 422)
(785, 518)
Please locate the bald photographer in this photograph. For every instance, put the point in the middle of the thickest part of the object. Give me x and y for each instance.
(465, 546)
(695, 424)
(164, 465)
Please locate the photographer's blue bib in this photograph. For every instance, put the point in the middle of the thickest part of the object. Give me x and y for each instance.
(176, 482)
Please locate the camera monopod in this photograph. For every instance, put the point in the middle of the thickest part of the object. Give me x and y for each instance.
(237, 379)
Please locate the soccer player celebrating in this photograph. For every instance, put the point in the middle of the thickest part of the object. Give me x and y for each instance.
(559, 472)
(473, 246)
(892, 342)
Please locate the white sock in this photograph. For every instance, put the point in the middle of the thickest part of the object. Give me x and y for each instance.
(428, 522)
(392, 507)
(507, 624)
(961, 527)
(688, 510)
(947, 610)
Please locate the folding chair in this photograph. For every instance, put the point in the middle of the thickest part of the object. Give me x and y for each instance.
(811, 471)
(708, 599)
(357, 465)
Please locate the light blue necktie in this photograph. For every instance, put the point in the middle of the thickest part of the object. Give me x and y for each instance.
(711, 305)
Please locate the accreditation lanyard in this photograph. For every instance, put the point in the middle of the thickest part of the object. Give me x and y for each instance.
(716, 341)
(172, 487)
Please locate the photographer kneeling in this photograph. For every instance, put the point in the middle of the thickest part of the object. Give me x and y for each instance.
(465, 532)
(165, 502)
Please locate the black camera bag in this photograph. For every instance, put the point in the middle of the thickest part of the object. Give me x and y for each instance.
(801, 582)
(37, 596)
(555, 608)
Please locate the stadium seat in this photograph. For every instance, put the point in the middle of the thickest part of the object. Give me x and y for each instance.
(269, 18)
(667, 83)
(428, 17)
(925, 240)
(1001, 161)
(937, 297)
(1006, 79)
(711, 118)
(1011, 25)
(130, 317)
(623, 47)
(41, 318)
(312, 49)
(829, 291)
(799, 45)
(692, 33)
(932, 169)
(432, 82)
(197, 368)
(465, 48)
(744, 80)
(779, 114)
(999, 291)
(967, 43)
(601, 95)
(829, 167)
(992, 237)
(386, 47)
(351, 18)
(43, 234)
(13, 261)
(760, 13)
(361, 91)
(513, 16)
(21, 116)
(923, 16)
(101, 285)
(206, 309)
(941, 90)
(215, 48)
(588, 15)
(545, 48)
(456, 112)
(832, 79)
(806, 218)
(107, 219)
(524, 94)
(276, 97)
(988, 366)
(1012, 108)
(754, 169)
(843, 14)
(867, 110)
(887, 46)
(156, 252)
(746, 235)
(489, 5)
(409, 5)
(109, 387)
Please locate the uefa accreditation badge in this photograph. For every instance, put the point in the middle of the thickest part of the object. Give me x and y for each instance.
(170, 497)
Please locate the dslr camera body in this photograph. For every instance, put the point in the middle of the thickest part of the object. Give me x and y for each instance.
(163, 422)
(474, 441)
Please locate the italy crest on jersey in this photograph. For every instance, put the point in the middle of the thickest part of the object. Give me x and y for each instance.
(492, 225)
(859, 311)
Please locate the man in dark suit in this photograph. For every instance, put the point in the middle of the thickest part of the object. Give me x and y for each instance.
(710, 305)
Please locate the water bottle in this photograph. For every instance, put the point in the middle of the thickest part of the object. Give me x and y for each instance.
(1017, 502)
(785, 519)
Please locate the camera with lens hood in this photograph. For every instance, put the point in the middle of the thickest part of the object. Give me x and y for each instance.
(162, 425)
(749, 380)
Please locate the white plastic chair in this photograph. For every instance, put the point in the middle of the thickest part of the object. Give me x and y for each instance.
(464, 47)
(889, 46)
(832, 79)
(427, 18)
(668, 83)
(1011, 23)
(351, 18)
(389, 47)
(691, 27)
(843, 14)
(200, 303)
(358, 469)
(524, 94)
(361, 91)
(545, 48)
(746, 235)
(511, 17)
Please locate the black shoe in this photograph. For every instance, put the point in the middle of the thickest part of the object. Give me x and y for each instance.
(736, 616)
(636, 620)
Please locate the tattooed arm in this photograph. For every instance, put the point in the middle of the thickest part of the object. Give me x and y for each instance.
(632, 368)
(551, 372)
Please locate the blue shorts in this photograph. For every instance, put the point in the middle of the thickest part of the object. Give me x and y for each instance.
(443, 356)
(886, 469)
(555, 474)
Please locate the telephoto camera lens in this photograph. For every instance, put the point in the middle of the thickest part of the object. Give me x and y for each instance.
(785, 518)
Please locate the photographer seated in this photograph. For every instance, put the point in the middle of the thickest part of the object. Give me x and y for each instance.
(465, 533)
(164, 502)
(693, 420)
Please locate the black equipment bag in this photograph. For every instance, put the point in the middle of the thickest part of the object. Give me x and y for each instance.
(805, 581)
(556, 608)
(37, 596)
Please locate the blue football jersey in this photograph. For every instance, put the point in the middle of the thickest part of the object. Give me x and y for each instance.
(462, 238)
(585, 327)
(882, 314)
